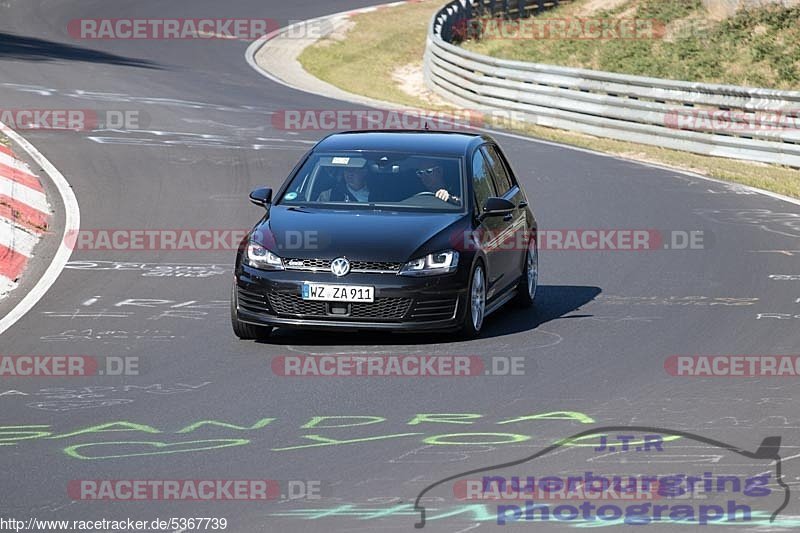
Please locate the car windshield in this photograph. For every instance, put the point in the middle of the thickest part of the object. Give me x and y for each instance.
(372, 180)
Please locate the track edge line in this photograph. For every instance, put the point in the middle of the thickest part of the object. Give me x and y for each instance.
(72, 222)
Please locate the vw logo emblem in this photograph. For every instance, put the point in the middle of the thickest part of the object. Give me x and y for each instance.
(340, 266)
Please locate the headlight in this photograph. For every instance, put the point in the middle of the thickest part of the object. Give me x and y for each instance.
(432, 264)
(257, 256)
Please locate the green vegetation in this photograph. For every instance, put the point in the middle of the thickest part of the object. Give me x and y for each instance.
(380, 42)
(758, 48)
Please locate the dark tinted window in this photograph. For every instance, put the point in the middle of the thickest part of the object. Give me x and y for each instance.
(364, 180)
(502, 179)
(481, 179)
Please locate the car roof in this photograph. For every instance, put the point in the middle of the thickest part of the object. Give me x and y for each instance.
(455, 143)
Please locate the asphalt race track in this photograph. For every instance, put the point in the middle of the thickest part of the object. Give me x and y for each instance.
(596, 345)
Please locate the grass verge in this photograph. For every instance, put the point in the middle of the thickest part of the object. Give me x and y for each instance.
(756, 48)
(364, 61)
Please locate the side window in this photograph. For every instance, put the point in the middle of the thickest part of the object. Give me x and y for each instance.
(501, 177)
(481, 179)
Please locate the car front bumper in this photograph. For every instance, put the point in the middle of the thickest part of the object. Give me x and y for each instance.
(402, 303)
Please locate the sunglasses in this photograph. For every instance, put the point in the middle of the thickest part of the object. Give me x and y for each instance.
(427, 171)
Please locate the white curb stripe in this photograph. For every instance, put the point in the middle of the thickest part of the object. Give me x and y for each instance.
(13, 162)
(16, 238)
(6, 285)
(24, 194)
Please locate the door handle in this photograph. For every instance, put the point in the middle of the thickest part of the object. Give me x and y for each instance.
(522, 205)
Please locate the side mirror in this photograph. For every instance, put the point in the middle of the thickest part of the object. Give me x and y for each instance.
(496, 207)
(262, 196)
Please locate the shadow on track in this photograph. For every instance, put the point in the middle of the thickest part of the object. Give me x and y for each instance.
(552, 302)
(33, 49)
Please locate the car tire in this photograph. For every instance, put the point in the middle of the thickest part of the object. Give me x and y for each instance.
(476, 303)
(244, 330)
(529, 283)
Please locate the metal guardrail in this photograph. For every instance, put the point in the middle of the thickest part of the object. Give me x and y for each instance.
(718, 120)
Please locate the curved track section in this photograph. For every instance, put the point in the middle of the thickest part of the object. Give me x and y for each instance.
(604, 325)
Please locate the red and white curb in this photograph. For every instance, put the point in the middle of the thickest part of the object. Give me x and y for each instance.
(36, 203)
(24, 216)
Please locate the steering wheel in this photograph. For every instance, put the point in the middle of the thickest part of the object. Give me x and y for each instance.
(424, 193)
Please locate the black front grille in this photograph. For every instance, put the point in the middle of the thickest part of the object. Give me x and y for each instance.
(375, 265)
(325, 264)
(252, 301)
(439, 309)
(381, 309)
(292, 304)
(308, 264)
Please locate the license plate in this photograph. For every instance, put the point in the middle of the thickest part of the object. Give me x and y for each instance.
(338, 293)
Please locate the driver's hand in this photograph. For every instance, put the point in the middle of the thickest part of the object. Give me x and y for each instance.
(442, 195)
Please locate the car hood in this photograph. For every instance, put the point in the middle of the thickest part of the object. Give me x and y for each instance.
(365, 235)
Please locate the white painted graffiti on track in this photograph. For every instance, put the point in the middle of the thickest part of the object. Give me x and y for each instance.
(782, 223)
(195, 140)
(696, 301)
(90, 334)
(71, 399)
(162, 270)
(785, 277)
(777, 316)
(189, 310)
(97, 96)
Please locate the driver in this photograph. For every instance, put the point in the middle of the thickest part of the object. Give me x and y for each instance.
(432, 178)
(354, 188)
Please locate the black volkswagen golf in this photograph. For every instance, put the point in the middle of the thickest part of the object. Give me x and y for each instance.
(400, 230)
